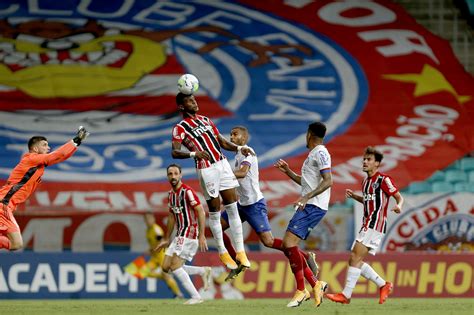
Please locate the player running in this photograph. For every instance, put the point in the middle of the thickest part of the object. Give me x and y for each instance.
(252, 205)
(315, 181)
(25, 178)
(204, 142)
(377, 189)
(187, 215)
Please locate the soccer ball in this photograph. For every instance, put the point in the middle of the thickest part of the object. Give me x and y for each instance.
(188, 84)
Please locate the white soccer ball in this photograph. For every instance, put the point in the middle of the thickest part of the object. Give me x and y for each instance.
(188, 84)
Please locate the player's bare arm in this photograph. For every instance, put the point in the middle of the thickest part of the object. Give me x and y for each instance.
(242, 172)
(229, 146)
(399, 199)
(284, 167)
(165, 242)
(202, 228)
(177, 153)
(356, 197)
(323, 185)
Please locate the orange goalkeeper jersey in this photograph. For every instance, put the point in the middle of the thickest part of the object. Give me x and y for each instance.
(26, 176)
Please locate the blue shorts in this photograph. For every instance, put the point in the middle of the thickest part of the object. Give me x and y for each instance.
(305, 220)
(255, 214)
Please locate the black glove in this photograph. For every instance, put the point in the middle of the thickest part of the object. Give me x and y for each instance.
(82, 134)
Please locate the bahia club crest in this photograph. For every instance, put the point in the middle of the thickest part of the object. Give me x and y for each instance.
(112, 67)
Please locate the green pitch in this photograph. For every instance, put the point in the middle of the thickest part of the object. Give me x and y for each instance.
(394, 306)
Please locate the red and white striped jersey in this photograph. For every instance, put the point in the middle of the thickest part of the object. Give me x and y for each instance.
(199, 134)
(182, 203)
(376, 192)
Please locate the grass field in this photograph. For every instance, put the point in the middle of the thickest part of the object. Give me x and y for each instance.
(393, 306)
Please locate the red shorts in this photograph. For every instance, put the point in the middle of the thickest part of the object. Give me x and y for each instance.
(7, 220)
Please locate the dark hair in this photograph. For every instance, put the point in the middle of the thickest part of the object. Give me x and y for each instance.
(174, 165)
(376, 153)
(34, 140)
(242, 128)
(180, 97)
(318, 129)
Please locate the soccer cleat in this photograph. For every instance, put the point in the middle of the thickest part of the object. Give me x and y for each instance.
(385, 292)
(241, 257)
(312, 264)
(319, 289)
(338, 298)
(193, 301)
(235, 272)
(298, 298)
(206, 278)
(228, 261)
(307, 295)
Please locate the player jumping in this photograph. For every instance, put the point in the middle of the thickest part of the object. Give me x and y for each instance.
(25, 178)
(204, 142)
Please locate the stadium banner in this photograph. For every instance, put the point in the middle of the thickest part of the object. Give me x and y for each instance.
(429, 222)
(365, 68)
(104, 231)
(85, 275)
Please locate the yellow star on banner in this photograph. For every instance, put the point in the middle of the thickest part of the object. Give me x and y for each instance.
(429, 81)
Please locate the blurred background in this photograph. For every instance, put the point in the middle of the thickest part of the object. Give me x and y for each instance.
(397, 75)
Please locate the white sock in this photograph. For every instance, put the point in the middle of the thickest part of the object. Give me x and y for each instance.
(194, 270)
(185, 280)
(216, 229)
(370, 274)
(353, 274)
(235, 226)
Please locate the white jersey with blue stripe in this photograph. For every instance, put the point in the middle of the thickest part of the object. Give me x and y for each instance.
(249, 190)
(317, 162)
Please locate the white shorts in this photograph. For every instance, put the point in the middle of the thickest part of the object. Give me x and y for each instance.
(183, 247)
(215, 178)
(369, 238)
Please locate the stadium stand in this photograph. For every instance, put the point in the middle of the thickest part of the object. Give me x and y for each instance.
(443, 187)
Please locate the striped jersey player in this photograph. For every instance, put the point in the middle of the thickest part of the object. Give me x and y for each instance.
(187, 216)
(204, 143)
(377, 189)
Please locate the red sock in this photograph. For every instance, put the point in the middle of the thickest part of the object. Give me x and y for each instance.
(228, 245)
(296, 264)
(278, 244)
(308, 274)
(4, 242)
(305, 254)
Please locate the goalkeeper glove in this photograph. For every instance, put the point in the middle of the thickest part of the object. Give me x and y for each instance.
(82, 134)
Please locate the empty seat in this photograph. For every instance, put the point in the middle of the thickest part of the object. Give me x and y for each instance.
(471, 177)
(456, 165)
(437, 176)
(443, 187)
(419, 187)
(455, 176)
(464, 187)
(467, 164)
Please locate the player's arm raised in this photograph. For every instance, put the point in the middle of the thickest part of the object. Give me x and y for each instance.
(202, 227)
(356, 197)
(283, 166)
(229, 146)
(64, 152)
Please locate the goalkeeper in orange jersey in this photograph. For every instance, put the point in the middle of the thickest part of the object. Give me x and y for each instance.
(25, 178)
(154, 234)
